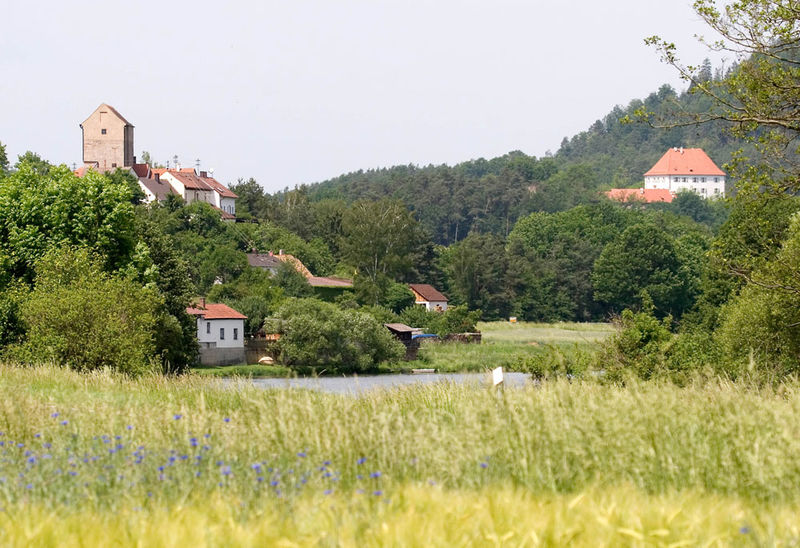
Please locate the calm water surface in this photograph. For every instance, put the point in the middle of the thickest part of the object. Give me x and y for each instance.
(357, 385)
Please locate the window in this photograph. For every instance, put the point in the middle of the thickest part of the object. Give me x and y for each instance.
(684, 179)
(114, 164)
(702, 179)
(222, 333)
(208, 328)
(694, 179)
(716, 179)
(103, 131)
(703, 190)
(235, 333)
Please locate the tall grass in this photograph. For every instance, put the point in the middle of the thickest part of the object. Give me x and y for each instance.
(103, 449)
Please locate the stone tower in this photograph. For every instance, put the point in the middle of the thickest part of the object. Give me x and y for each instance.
(107, 139)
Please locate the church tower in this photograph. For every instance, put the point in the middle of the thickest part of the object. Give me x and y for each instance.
(107, 139)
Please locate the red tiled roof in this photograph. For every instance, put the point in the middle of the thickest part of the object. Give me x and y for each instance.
(216, 311)
(427, 292)
(141, 170)
(685, 161)
(220, 189)
(646, 195)
(160, 189)
(189, 180)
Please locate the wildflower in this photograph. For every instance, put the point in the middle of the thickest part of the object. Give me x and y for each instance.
(274, 483)
(359, 476)
(302, 454)
(326, 463)
(197, 475)
(259, 479)
(193, 442)
(129, 427)
(484, 465)
(744, 530)
(375, 475)
(226, 471)
(377, 493)
(177, 417)
(37, 435)
(362, 460)
(220, 463)
(256, 467)
(54, 415)
(29, 486)
(328, 491)
(64, 423)
(227, 419)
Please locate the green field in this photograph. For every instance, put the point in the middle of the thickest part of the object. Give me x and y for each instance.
(504, 344)
(100, 460)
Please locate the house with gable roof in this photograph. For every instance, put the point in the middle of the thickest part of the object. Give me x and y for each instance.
(220, 332)
(107, 140)
(428, 296)
(686, 169)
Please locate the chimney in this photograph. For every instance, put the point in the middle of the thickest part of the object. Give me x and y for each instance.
(203, 174)
(134, 159)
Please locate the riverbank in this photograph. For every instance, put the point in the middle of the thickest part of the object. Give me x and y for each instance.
(504, 345)
(202, 459)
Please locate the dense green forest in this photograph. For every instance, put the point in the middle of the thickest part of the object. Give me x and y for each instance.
(489, 196)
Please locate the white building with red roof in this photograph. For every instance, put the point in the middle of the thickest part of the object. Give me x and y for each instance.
(687, 169)
(428, 296)
(220, 332)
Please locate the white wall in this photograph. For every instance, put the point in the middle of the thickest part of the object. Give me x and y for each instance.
(714, 185)
(228, 204)
(203, 336)
(430, 306)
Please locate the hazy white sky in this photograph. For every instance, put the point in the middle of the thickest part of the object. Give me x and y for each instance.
(298, 91)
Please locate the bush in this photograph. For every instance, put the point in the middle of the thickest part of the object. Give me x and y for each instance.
(639, 346)
(83, 318)
(319, 334)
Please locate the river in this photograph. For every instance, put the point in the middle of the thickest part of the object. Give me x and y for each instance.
(361, 384)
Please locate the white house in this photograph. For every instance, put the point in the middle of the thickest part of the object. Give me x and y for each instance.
(427, 296)
(687, 169)
(190, 187)
(220, 332)
(223, 198)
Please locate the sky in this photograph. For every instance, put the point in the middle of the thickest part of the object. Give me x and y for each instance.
(298, 91)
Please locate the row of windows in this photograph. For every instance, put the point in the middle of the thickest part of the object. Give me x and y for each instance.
(694, 179)
(222, 332)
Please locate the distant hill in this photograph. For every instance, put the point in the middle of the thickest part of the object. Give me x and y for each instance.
(490, 195)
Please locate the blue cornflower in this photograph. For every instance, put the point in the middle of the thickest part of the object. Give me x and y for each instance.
(377, 493)
(302, 454)
(256, 467)
(54, 415)
(193, 442)
(326, 463)
(328, 491)
(37, 435)
(129, 427)
(117, 437)
(375, 475)
(29, 486)
(197, 475)
(259, 479)
(160, 468)
(227, 419)
(226, 470)
(362, 460)
(64, 423)
(177, 416)
(220, 463)
(744, 530)
(484, 465)
(273, 483)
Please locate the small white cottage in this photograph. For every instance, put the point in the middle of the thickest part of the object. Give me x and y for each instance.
(427, 296)
(220, 332)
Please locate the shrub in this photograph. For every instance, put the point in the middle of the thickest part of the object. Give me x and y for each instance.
(319, 334)
(83, 318)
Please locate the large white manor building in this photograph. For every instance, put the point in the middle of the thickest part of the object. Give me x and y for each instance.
(686, 169)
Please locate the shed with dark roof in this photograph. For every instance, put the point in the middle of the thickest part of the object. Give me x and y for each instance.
(429, 297)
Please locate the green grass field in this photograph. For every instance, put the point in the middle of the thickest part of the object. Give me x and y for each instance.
(504, 344)
(101, 460)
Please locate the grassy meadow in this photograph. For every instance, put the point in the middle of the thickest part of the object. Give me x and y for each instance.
(505, 344)
(99, 459)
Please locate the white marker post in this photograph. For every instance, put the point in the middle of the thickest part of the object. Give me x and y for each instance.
(497, 376)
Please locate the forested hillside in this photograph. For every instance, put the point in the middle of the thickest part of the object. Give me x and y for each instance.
(488, 196)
